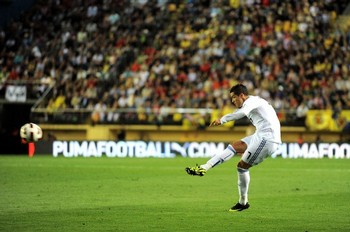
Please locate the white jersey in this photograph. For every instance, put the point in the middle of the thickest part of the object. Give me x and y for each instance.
(262, 115)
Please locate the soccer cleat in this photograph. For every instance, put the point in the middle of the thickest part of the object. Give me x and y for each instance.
(196, 171)
(239, 207)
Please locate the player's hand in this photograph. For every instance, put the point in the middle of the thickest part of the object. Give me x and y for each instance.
(215, 123)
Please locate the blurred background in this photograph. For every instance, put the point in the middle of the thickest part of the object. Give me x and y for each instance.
(161, 70)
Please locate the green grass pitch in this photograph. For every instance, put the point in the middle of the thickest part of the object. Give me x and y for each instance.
(129, 194)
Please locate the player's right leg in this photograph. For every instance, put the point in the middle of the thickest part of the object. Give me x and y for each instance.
(231, 150)
(195, 171)
(227, 154)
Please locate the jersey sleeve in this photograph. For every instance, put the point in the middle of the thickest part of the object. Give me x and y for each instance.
(233, 116)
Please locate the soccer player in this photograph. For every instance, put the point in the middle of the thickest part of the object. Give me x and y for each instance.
(253, 149)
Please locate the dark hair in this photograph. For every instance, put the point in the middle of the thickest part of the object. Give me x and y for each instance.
(238, 89)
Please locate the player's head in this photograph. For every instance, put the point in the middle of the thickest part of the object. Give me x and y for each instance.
(238, 93)
(238, 89)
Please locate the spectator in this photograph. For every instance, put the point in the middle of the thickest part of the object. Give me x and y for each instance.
(139, 51)
(301, 112)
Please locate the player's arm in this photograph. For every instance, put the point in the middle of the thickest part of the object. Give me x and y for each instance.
(227, 118)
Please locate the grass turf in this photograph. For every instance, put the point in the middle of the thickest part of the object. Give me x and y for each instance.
(129, 194)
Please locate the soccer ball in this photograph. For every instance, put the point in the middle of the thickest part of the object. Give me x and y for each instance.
(31, 132)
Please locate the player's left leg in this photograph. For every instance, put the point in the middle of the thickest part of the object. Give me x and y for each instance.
(243, 185)
(257, 150)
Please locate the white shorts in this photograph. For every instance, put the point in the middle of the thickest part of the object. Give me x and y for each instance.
(257, 149)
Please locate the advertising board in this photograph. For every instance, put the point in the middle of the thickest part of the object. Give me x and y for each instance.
(157, 149)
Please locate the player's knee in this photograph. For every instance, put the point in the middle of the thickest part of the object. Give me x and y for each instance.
(243, 165)
(239, 146)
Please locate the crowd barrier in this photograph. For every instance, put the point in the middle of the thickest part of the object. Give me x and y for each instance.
(178, 133)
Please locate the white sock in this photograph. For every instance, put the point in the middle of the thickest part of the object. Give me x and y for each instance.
(243, 185)
(227, 154)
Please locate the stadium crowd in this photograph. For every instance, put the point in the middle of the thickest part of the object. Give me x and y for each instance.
(155, 56)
